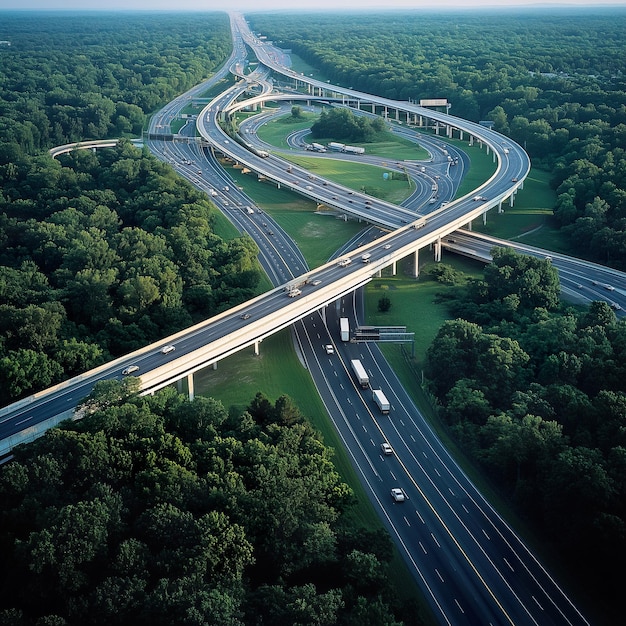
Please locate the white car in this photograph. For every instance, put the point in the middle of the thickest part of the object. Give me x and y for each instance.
(329, 349)
(167, 349)
(316, 282)
(130, 369)
(398, 495)
(386, 448)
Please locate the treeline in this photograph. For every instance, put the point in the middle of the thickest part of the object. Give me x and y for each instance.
(553, 80)
(342, 124)
(535, 392)
(74, 76)
(101, 255)
(156, 510)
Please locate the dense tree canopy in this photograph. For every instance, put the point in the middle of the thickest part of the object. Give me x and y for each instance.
(161, 511)
(343, 125)
(538, 397)
(71, 77)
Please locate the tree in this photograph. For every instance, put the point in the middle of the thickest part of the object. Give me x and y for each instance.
(384, 304)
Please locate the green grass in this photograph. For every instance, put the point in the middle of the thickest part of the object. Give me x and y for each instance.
(318, 233)
(530, 220)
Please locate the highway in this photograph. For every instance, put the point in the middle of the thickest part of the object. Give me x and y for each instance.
(472, 568)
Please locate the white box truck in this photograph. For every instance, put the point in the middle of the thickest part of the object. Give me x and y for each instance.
(360, 373)
(344, 325)
(381, 400)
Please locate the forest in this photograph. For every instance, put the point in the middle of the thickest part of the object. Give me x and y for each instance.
(553, 80)
(102, 253)
(158, 511)
(536, 396)
(151, 510)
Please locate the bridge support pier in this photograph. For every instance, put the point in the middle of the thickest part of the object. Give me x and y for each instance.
(500, 209)
(484, 218)
(190, 387)
(394, 268)
(256, 347)
(511, 199)
(437, 250)
(416, 266)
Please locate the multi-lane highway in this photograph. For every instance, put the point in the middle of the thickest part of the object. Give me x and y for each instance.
(471, 566)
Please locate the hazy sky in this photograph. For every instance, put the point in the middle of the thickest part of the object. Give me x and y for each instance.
(263, 5)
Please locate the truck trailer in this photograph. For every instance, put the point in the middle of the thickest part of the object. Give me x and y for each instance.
(381, 400)
(360, 373)
(353, 150)
(336, 146)
(344, 325)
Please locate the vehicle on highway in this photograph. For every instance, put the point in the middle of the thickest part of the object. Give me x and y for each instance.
(167, 349)
(387, 246)
(130, 370)
(345, 262)
(316, 282)
(398, 495)
(292, 293)
(329, 349)
(245, 316)
(386, 448)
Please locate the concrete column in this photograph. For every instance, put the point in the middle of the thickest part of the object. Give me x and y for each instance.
(471, 140)
(394, 268)
(500, 209)
(379, 274)
(469, 226)
(438, 250)
(484, 218)
(416, 267)
(214, 365)
(512, 199)
(256, 348)
(190, 387)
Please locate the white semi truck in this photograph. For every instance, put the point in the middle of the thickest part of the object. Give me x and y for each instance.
(360, 373)
(381, 400)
